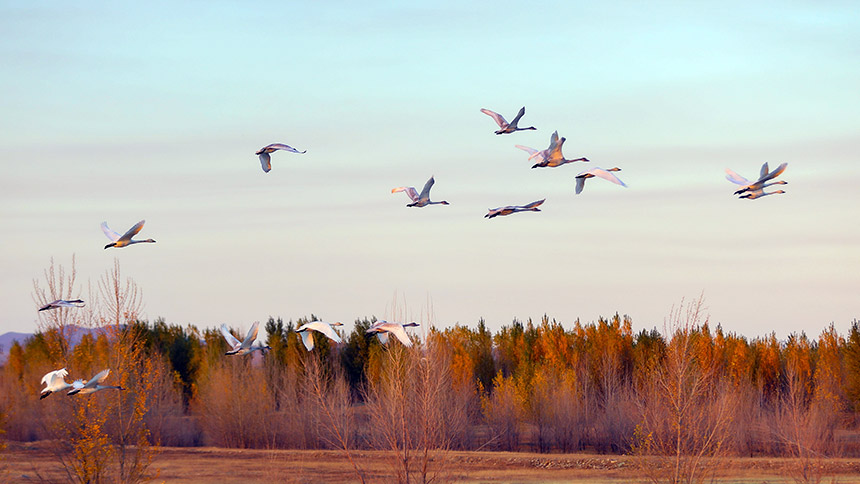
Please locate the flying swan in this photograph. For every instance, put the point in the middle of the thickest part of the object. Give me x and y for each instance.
(266, 160)
(54, 381)
(124, 239)
(422, 199)
(62, 303)
(305, 331)
(93, 385)
(531, 207)
(383, 328)
(600, 173)
(504, 126)
(243, 347)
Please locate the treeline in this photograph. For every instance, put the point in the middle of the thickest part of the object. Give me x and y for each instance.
(537, 386)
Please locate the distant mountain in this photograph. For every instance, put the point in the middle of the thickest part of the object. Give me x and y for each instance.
(6, 339)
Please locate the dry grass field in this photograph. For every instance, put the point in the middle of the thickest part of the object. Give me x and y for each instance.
(33, 462)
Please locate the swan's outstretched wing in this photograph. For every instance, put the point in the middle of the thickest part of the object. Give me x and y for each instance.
(48, 377)
(281, 146)
(764, 170)
(100, 377)
(252, 335)
(53, 378)
(132, 231)
(307, 338)
(325, 329)
(113, 236)
(519, 115)
(266, 162)
(580, 184)
(553, 140)
(498, 118)
(554, 150)
(735, 178)
(607, 175)
(411, 192)
(530, 151)
(534, 204)
(400, 333)
(425, 192)
(231, 340)
(773, 174)
(383, 337)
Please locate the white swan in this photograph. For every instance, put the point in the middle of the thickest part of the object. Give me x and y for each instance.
(305, 331)
(93, 385)
(541, 155)
(54, 381)
(504, 126)
(124, 239)
(597, 172)
(553, 156)
(531, 207)
(764, 176)
(63, 303)
(383, 328)
(266, 160)
(243, 347)
(422, 199)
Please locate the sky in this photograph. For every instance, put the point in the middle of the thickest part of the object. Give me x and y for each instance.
(117, 112)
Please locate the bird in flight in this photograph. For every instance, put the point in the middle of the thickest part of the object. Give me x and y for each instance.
(266, 160)
(541, 155)
(531, 207)
(597, 172)
(63, 303)
(552, 156)
(54, 381)
(383, 328)
(504, 126)
(422, 199)
(124, 239)
(753, 190)
(243, 347)
(306, 331)
(93, 385)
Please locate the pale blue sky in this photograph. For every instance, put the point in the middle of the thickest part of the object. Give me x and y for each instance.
(121, 111)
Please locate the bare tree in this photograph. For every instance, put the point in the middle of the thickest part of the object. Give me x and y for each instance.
(684, 410)
(801, 425)
(329, 398)
(503, 410)
(409, 407)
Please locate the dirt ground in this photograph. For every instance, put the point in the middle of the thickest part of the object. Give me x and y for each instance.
(34, 462)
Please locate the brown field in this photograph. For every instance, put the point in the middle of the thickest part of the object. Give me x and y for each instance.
(33, 462)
